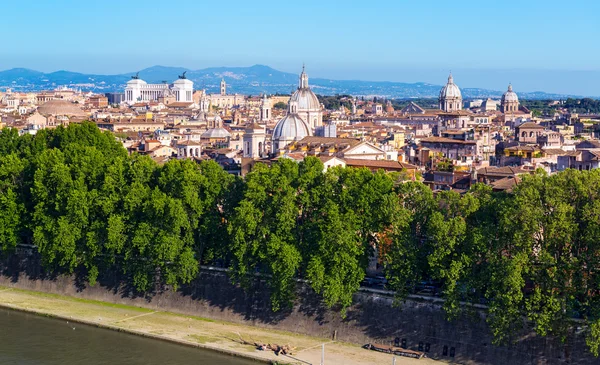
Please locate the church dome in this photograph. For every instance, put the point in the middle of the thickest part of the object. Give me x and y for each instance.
(305, 99)
(450, 90)
(510, 95)
(291, 127)
(60, 107)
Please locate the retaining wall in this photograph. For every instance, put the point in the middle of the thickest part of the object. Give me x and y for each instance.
(372, 317)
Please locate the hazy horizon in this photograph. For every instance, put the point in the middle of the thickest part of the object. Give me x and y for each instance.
(582, 83)
(537, 45)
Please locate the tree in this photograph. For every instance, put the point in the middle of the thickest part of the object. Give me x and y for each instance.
(280, 105)
(12, 207)
(406, 260)
(261, 230)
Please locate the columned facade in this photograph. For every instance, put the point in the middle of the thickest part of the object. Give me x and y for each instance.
(138, 90)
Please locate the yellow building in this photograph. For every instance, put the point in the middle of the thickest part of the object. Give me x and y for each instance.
(398, 141)
(279, 99)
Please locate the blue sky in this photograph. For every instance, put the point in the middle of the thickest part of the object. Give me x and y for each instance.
(384, 40)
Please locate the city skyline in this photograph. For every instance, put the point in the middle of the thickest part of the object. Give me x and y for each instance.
(400, 42)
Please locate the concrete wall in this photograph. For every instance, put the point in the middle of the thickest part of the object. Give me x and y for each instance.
(372, 318)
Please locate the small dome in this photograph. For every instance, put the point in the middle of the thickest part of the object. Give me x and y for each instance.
(450, 90)
(291, 127)
(510, 95)
(60, 107)
(216, 133)
(306, 100)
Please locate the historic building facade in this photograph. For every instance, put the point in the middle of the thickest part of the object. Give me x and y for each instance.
(510, 101)
(308, 106)
(139, 90)
(450, 97)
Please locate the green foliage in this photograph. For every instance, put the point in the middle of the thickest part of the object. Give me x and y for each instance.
(548, 108)
(531, 256)
(334, 102)
(280, 105)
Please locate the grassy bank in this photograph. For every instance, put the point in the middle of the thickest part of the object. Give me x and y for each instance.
(193, 331)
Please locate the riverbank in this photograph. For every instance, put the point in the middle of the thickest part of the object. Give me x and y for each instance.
(199, 332)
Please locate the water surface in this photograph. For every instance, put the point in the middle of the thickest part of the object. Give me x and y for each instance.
(27, 339)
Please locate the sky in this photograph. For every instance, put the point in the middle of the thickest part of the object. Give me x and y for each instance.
(487, 43)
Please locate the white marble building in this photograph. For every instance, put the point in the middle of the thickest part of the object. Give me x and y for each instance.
(138, 90)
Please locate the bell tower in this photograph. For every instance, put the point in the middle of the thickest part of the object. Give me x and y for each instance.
(265, 109)
(223, 87)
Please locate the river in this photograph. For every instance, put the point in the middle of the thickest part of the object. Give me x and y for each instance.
(27, 339)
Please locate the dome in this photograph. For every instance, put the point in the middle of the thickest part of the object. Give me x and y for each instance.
(510, 95)
(61, 107)
(216, 133)
(291, 127)
(306, 100)
(450, 90)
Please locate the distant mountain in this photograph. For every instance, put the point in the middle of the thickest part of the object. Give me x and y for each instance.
(251, 80)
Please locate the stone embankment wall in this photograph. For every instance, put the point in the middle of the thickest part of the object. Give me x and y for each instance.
(372, 318)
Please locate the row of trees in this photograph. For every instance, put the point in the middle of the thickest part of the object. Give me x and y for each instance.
(86, 205)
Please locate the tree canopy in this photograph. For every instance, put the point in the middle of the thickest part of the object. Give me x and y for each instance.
(86, 205)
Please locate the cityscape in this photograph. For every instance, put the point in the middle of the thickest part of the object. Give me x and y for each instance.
(204, 212)
(493, 141)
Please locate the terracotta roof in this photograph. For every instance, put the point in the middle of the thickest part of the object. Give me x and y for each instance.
(312, 140)
(530, 125)
(382, 164)
(325, 158)
(446, 140)
(555, 151)
(503, 171)
(506, 184)
(523, 148)
(454, 131)
(179, 105)
(189, 143)
(294, 156)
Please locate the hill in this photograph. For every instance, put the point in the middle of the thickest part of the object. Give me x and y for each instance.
(251, 80)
